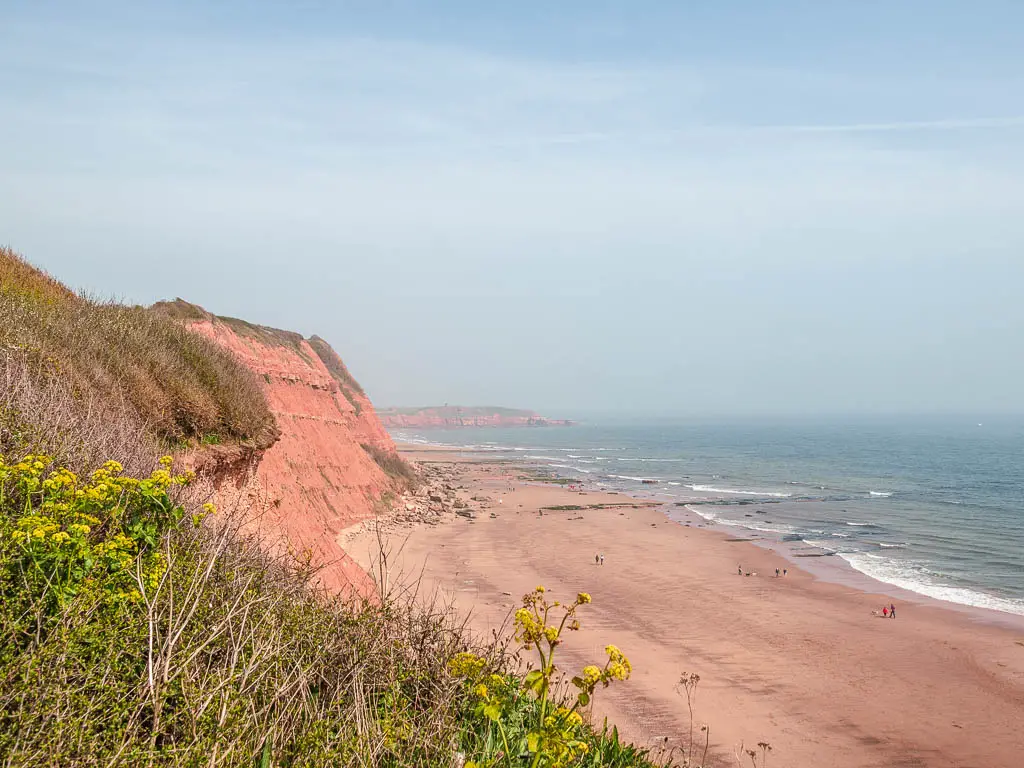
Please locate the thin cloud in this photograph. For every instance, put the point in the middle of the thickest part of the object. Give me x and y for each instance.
(956, 124)
(712, 131)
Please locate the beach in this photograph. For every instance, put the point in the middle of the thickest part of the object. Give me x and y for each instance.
(803, 664)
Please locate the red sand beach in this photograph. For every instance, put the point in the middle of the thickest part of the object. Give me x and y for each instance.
(796, 662)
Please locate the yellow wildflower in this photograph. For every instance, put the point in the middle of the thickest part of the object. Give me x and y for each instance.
(618, 671)
(467, 665)
(568, 717)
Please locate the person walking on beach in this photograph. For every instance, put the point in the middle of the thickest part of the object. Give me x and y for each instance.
(602, 558)
(885, 612)
(597, 559)
(776, 573)
(739, 570)
(892, 611)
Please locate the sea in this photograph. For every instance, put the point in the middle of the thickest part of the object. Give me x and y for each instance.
(934, 506)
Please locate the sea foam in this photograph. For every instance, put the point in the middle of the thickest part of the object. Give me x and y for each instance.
(738, 491)
(905, 574)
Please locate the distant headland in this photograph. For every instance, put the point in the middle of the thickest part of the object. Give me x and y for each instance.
(466, 416)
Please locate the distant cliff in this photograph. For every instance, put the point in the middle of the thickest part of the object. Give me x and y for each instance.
(460, 416)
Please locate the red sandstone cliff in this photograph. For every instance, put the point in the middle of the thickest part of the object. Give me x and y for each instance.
(317, 478)
(459, 416)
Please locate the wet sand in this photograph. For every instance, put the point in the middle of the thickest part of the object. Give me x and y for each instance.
(793, 661)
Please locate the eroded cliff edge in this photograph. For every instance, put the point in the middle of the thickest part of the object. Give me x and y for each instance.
(333, 464)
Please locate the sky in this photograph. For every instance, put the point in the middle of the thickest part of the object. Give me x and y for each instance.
(662, 208)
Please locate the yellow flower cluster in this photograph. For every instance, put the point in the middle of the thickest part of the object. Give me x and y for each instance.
(93, 531)
(568, 717)
(618, 667)
(60, 479)
(32, 465)
(554, 736)
(529, 630)
(34, 527)
(466, 665)
(530, 621)
(118, 551)
(591, 674)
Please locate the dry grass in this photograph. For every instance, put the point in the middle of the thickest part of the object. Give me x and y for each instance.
(180, 385)
(41, 413)
(235, 658)
(392, 464)
(332, 361)
(334, 364)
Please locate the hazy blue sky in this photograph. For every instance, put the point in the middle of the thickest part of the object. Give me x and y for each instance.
(712, 208)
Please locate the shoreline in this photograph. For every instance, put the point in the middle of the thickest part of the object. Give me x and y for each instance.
(834, 569)
(797, 661)
(827, 565)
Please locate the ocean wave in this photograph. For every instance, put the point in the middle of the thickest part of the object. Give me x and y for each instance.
(880, 494)
(631, 477)
(543, 458)
(907, 575)
(861, 525)
(738, 492)
(641, 458)
(887, 545)
(570, 466)
(825, 545)
(704, 512)
(750, 525)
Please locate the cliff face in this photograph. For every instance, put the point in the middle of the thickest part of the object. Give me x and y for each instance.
(317, 478)
(458, 416)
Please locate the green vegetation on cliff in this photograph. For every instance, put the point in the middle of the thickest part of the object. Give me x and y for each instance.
(141, 626)
(70, 365)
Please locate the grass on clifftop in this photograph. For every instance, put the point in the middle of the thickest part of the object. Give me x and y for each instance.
(114, 357)
(393, 465)
(339, 372)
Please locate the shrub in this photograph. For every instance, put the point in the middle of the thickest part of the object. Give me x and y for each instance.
(519, 721)
(62, 536)
(180, 643)
(133, 632)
